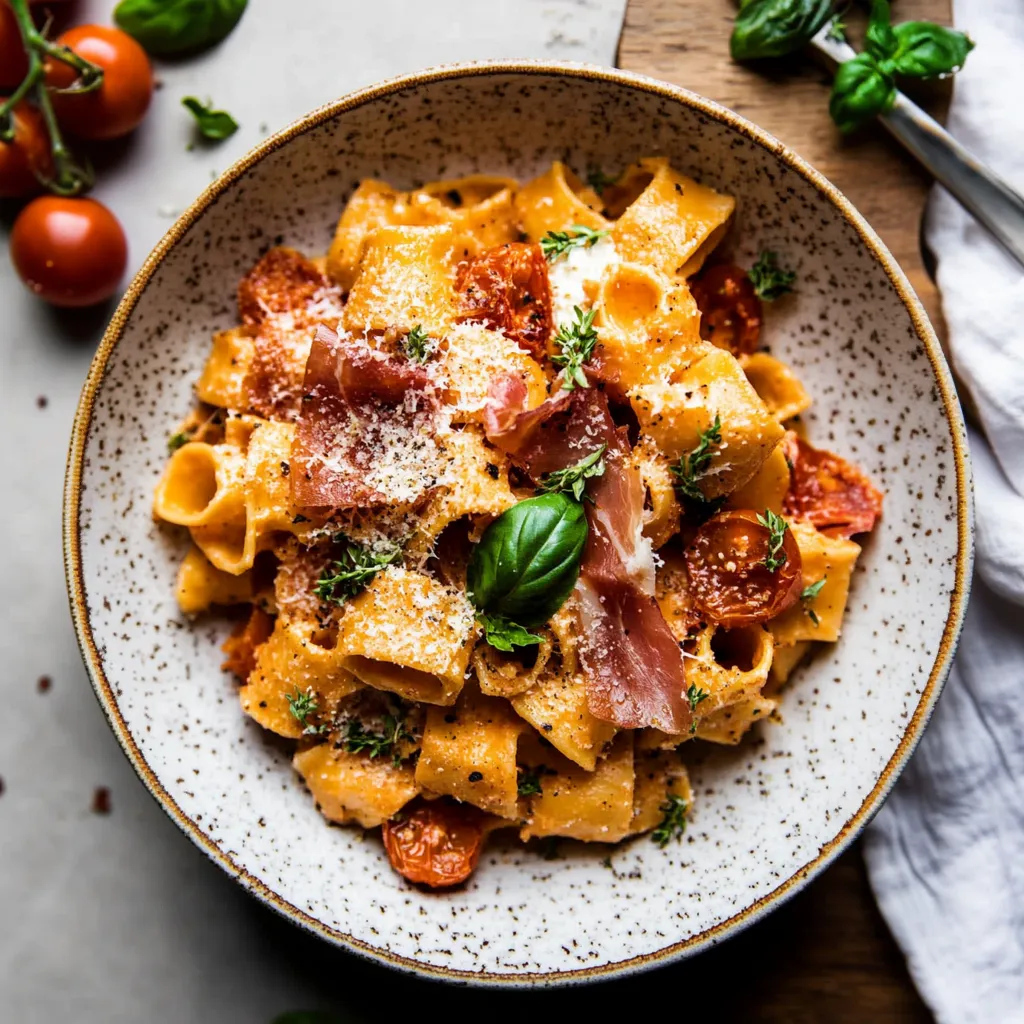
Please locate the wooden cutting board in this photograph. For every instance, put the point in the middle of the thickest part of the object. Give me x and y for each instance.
(826, 955)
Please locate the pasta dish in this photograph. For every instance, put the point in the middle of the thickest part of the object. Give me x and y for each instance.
(516, 507)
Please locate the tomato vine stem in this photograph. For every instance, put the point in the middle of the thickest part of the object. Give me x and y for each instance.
(70, 177)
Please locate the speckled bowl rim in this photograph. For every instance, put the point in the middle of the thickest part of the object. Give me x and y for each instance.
(947, 646)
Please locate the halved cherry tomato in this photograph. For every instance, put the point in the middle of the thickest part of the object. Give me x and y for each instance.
(69, 252)
(828, 492)
(730, 310)
(26, 155)
(729, 580)
(507, 288)
(120, 103)
(435, 842)
(13, 59)
(240, 647)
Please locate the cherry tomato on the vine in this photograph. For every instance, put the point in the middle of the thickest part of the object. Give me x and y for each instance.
(120, 103)
(13, 59)
(729, 580)
(69, 252)
(730, 311)
(435, 843)
(26, 157)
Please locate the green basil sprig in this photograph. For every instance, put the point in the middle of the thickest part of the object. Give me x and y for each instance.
(865, 86)
(775, 28)
(528, 560)
(165, 27)
(212, 124)
(861, 90)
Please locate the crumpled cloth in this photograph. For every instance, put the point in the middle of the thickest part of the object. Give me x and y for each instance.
(946, 853)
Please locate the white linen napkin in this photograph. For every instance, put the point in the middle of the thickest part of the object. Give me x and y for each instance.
(946, 853)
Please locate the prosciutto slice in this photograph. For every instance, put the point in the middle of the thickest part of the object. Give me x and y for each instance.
(365, 434)
(635, 673)
(508, 424)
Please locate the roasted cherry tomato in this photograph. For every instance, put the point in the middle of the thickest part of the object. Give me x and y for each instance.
(240, 647)
(730, 309)
(26, 157)
(13, 59)
(828, 492)
(70, 252)
(729, 580)
(507, 288)
(121, 101)
(435, 842)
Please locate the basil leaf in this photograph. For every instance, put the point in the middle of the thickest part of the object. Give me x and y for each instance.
(177, 26)
(774, 28)
(212, 124)
(924, 50)
(860, 91)
(504, 635)
(528, 559)
(880, 39)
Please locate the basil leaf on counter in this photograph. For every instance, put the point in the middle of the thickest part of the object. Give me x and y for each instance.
(774, 28)
(924, 50)
(212, 124)
(165, 27)
(528, 559)
(860, 91)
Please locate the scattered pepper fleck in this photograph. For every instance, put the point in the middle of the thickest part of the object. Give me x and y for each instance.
(42, 401)
(476, 776)
(43, 684)
(101, 800)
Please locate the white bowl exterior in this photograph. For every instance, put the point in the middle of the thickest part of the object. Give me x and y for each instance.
(762, 811)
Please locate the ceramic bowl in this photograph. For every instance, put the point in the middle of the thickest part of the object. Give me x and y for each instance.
(770, 814)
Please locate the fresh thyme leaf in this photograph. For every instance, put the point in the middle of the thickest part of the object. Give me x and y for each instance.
(556, 244)
(770, 281)
(808, 594)
(529, 780)
(358, 740)
(673, 824)
(419, 346)
(695, 695)
(573, 479)
(503, 635)
(598, 180)
(304, 705)
(215, 125)
(353, 570)
(176, 441)
(776, 527)
(691, 467)
(576, 341)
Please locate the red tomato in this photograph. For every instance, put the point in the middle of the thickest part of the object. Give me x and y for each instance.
(120, 103)
(240, 647)
(729, 581)
(729, 307)
(26, 155)
(436, 843)
(69, 252)
(13, 59)
(507, 288)
(828, 492)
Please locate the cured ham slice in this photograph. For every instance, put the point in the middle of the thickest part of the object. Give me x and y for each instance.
(365, 434)
(635, 674)
(508, 424)
(828, 492)
(281, 301)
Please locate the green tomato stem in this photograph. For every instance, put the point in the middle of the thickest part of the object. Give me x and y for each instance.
(70, 177)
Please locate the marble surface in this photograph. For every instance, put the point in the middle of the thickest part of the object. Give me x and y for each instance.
(116, 917)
